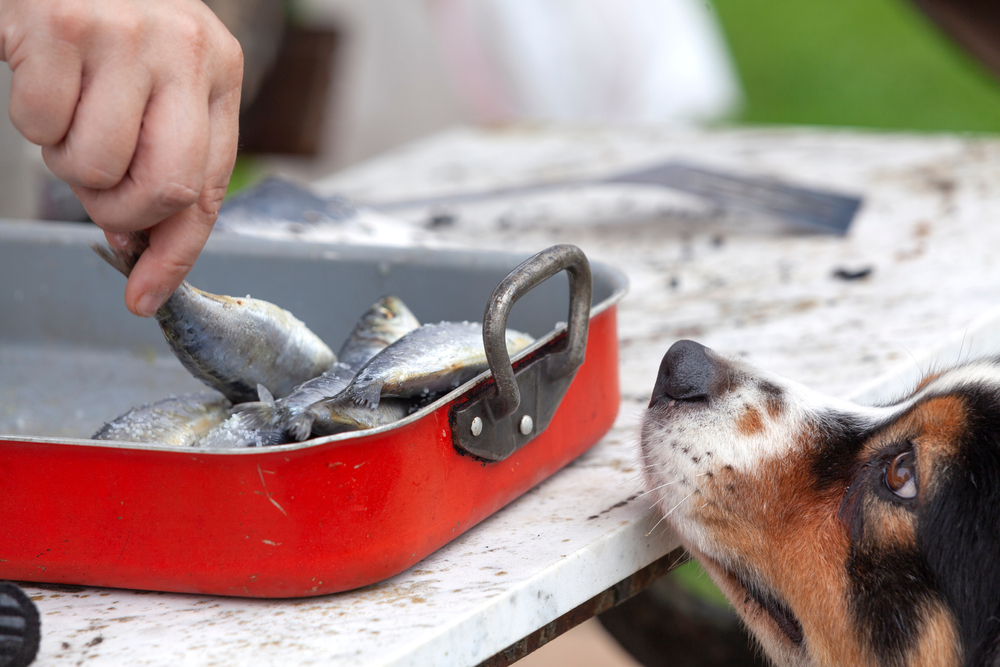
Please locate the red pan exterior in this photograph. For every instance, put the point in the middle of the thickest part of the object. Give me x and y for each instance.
(287, 522)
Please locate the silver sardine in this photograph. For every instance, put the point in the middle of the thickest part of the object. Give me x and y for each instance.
(383, 324)
(430, 359)
(303, 414)
(279, 421)
(178, 421)
(328, 417)
(233, 344)
(268, 421)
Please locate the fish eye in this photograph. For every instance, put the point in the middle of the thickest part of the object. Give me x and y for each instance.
(901, 475)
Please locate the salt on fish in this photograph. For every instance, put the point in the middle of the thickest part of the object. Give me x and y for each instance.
(176, 421)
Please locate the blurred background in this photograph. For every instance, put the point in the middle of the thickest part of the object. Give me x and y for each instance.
(330, 83)
(404, 68)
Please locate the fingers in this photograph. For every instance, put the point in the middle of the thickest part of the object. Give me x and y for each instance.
(174, 245)
(169, 167)
(99, 146)
(176, 242)
(166, 172)
(44, 90)
(136, 106)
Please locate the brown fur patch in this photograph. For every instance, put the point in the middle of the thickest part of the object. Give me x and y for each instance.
(790, 535)
(938, 645)
(890, 526)
(943, 422)
(750, 422)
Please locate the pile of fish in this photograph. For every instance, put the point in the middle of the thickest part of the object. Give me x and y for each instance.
(280, 383)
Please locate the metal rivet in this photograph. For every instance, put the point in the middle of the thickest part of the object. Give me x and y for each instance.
(477, 426)
(527, 424)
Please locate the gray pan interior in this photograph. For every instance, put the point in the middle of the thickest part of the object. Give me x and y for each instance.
(72, 357)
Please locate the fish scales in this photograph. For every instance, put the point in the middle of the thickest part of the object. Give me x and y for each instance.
(234, 344)
(383, 324)
(176, 421)
(326, 418)
(430, 359)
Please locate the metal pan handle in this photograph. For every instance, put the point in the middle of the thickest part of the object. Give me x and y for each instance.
(531, 273)
(486, 426)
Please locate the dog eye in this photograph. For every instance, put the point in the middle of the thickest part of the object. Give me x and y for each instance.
(901, 475)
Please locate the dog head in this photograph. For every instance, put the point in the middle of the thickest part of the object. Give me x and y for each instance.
(842, 534)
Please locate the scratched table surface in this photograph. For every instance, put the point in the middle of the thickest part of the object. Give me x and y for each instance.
(927, 238)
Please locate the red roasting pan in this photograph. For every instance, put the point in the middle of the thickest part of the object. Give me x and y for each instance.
(294, 520)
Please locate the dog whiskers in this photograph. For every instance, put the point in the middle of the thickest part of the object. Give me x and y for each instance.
(665, 484)
(657, 488)
(670, 512)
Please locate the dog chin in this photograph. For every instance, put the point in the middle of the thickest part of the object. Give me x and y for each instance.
(770, 621)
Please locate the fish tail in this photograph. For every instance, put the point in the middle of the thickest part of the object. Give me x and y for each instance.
(368, 395)
(259, 415)
(124, 259)
(267, 423)
(300, 426)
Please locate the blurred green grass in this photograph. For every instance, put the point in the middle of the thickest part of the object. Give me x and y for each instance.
(861, 63)
(246, 172)
(692, 577)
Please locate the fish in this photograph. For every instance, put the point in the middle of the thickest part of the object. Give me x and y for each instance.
(232, 344)
(328, 418)
(305, 413)
(429, 360)
(239, 430)
(179, 421)
(385, 322)
(269, 421)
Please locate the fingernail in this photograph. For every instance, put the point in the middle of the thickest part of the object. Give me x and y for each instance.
(119, 240)
(148, 304)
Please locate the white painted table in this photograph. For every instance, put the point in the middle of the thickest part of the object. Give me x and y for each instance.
(930, 230)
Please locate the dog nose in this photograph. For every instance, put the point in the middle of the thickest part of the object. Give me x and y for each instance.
(685, 373)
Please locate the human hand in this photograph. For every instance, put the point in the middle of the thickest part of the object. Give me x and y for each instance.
(135, 104)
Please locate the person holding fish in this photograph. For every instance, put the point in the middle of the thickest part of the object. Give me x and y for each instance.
(135, 104)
